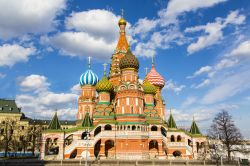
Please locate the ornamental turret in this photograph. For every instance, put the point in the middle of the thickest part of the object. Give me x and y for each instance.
(149, 92)
(104, 87)
(158, 81)
(86, 101)
(119, 53)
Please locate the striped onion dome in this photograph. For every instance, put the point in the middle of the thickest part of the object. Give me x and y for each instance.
(88, 78)
(104, 85)
(148, 87)
(155, 78)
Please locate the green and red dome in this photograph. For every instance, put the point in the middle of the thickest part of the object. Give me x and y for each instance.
(129, 61)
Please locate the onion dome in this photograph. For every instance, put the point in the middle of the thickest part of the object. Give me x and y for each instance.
(89, 77)
(148, 87)
(129, 61)
(104, 85)
(122, 21)
(154, 77)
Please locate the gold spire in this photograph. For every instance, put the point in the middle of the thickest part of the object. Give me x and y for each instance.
(122, 21)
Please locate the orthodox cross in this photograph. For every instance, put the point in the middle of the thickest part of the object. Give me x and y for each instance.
(105, 67)
(89, 58)
(122, 13)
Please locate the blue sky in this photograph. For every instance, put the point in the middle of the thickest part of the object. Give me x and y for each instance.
(202, 50)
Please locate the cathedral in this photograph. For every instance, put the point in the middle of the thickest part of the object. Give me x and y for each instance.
(120, 117)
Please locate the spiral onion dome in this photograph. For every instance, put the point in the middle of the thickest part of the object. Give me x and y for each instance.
(88, 78)
(104, 85)
(129, 61)
(148, 87)
(155, 78)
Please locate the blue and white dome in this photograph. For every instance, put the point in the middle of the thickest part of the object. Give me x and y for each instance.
(88, 78)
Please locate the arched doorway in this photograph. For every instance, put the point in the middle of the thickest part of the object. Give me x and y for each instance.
(97, 130)
(153, 148)
(97, 148)
(154, 128)
(177, 153)
(109, 148)
(178, 138)
(51, 146)
(172, 138)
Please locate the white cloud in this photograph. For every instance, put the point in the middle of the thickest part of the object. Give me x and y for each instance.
(160, 39)
(24, 16)
(76, 89)
(36, 83)
(203, 83)
(82, 44)
(143, 26)
(202, 70)
(89, 33)
(189, 101)
(11, 54)
(97, 23)
(44, 103)
(170, 85)
(213, 31)
(167, 27)
(242, 50)
(177, 7)
(228, 86)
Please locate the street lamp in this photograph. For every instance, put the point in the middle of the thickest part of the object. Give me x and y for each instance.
(87, 137)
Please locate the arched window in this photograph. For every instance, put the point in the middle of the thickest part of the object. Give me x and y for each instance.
(108, 127)
(84, 135)
(172, 138)
(138, 128)
(133, 127)
(154, 128)
(178, 138)
(97, 130)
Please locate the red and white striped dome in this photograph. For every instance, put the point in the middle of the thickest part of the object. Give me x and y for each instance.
(155, 78)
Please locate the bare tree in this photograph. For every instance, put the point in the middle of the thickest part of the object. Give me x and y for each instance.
(224, 129)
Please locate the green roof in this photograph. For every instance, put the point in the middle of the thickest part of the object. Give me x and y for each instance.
(171, 121)
(87, 122)
(194, 129)
(54, 123)
(9, 106)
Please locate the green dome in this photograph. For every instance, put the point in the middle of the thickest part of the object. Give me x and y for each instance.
(148, 87)
(104, 85)
(129, 61)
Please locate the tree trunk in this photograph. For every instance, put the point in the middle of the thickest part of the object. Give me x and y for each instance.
(6, 148)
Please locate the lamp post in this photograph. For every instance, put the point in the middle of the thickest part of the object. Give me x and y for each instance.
(87, 137)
